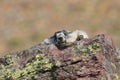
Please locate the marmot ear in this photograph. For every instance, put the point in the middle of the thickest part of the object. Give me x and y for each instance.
(65, 32)
(54, 37)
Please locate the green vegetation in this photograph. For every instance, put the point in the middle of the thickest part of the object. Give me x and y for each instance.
(84, 51)
(41, 63)
(14, 42)
(46, 65)
(45, 17)
(35, 37)
(29, 72)
(116, 77)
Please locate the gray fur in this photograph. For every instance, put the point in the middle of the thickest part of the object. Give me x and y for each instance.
(64, 38)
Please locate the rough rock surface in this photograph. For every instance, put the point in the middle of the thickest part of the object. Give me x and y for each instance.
(87, 59)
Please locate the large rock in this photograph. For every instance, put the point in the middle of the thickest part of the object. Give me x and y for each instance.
(87, 59)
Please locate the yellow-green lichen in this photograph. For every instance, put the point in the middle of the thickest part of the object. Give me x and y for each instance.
(39, 63)
(115, 76)
(94, 47)
(113, 65)
(57, 63)
(84, 50)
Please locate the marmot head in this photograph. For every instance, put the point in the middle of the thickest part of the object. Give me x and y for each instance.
(60, 36)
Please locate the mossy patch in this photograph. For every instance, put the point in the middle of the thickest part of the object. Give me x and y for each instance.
(83, 50)
(38, 64)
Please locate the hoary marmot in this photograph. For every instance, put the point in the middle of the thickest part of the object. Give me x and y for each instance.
(64, 38)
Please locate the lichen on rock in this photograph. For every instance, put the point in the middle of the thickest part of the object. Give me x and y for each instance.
(87, 59)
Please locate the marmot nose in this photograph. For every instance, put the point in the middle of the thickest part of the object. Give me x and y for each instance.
(60, 38)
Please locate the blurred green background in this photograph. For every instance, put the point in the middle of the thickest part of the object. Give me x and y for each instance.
(24, 23)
